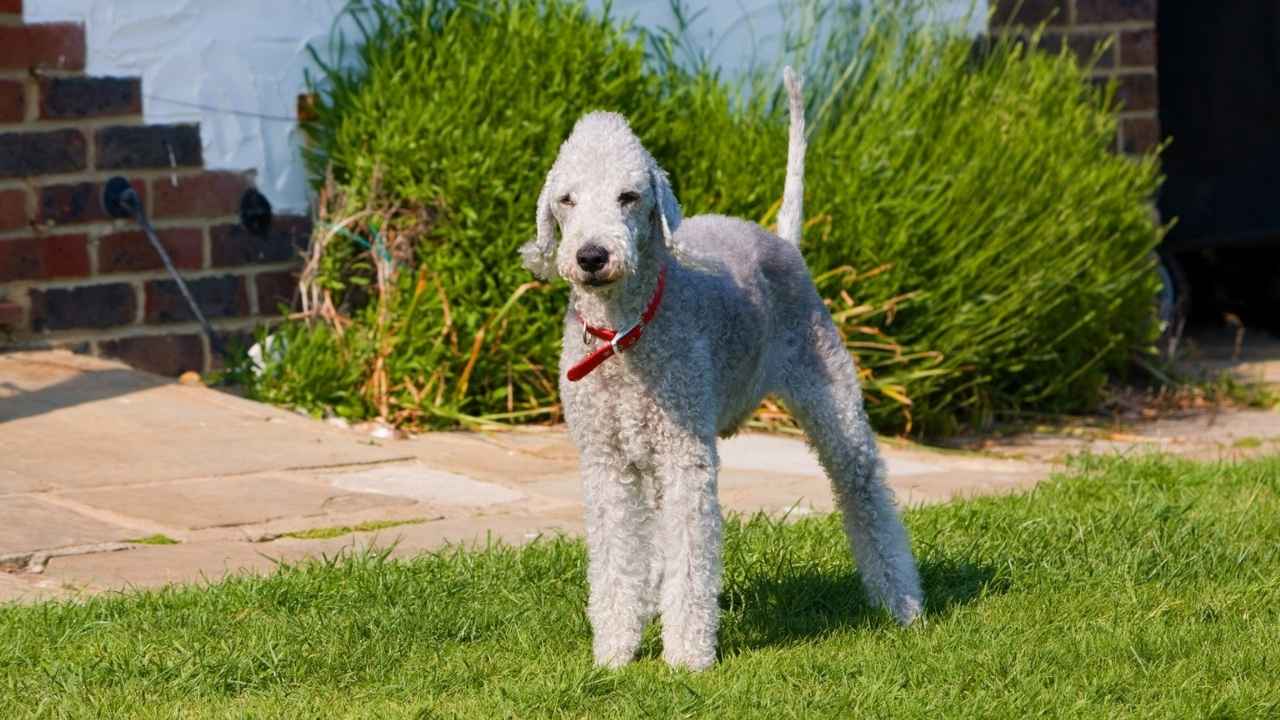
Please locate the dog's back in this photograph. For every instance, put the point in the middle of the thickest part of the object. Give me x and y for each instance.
(751, 288)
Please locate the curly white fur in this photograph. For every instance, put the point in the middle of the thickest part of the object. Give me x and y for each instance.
(740, 319)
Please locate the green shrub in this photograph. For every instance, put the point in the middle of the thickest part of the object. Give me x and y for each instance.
(986, 185)
(981, 248)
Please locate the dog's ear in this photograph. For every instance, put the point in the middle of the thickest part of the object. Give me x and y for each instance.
(665, 207)
(539, 254)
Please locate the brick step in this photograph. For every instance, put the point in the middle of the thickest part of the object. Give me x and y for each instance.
(12, 317)
(130, 147)
(51, 257)
(169, 355)
(13, 209)
(202, 194)
(88, 307)
(71, 98)
(225, 296)
(76, 203)
(207, 194)
(123, 147)
(28, 154)
(131, 251)
(44, 46)
(66, 257)
(75, 276)
(115, 306)
(233, 245)
(13, 101)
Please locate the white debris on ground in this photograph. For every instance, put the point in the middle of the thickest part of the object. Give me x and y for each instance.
(271, 349)
(375, 428)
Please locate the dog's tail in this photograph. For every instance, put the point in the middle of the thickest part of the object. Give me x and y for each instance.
(791, 215)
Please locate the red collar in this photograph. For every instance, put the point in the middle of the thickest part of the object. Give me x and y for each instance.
(618, 342)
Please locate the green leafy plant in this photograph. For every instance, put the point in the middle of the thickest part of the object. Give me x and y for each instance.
(979, 245)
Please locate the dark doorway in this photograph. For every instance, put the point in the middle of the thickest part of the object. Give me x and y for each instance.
(1219, 69)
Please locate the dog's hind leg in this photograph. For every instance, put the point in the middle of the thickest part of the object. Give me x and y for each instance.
(820, 387)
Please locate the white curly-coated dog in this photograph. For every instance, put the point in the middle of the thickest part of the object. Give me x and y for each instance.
(677, 328)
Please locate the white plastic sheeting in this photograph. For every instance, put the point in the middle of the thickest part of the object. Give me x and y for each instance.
(236, 66)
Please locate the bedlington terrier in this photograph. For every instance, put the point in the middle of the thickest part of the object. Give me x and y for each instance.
(709, 314)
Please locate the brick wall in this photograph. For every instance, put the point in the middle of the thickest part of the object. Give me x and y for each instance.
(71, 276)
(1130, 59)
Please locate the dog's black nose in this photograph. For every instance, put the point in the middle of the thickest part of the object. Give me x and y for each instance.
(592, 257)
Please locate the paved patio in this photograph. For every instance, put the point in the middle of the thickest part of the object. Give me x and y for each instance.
(94, 455)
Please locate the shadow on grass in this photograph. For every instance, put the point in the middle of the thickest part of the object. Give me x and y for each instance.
(804, 605)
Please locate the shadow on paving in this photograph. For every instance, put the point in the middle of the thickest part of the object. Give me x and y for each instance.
(84, 387)
(806, 604)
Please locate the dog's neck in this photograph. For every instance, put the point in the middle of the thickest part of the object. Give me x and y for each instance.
(620, 305)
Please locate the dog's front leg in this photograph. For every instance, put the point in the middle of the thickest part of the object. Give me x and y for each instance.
(619, 547)
(690, 533)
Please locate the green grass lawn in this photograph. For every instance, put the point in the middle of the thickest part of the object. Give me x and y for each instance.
(1142, 588)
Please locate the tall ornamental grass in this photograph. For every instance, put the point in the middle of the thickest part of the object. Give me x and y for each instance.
(980, 246)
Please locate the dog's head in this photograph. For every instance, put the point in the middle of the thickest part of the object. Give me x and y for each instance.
(610, 202)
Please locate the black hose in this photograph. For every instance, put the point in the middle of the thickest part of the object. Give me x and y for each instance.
(121, 200)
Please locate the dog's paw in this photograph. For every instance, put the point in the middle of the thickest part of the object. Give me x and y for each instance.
(693, 660)
(614, 655)
(907, 610)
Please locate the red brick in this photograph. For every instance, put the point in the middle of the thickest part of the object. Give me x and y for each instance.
(232, 245)
(276, 289)
(1138, 48)
(169, 355)
(13, 101)
(1029, 12)
(49, 46)
(217, 297)
(13, 209)
(28, 154)
(81, 97)
(211, 194)
(1106, 11)
(1082, 46)
(1085, 47)
(21, 259)
(232, 342)
(76, 203)
(132, 251)
(65, 256)
(90, 306)
(44, 257)
(307, 107)
(12, 316)
(148, 146)
(12, 7)
(1137, 92)
(1141, 135)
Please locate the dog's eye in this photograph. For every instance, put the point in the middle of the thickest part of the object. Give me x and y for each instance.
(567, 200)
(627, 198)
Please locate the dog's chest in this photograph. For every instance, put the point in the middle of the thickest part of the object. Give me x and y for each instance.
(610, 411)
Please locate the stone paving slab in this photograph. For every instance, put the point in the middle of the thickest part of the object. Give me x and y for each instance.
(72, 421)
(424, 484)
(1227, 435)
(524, 454)
(92, 452)
(149, 566)
(229, 501)
(155, 566)
(1252, 356)
(31, 523)
(24, 590)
